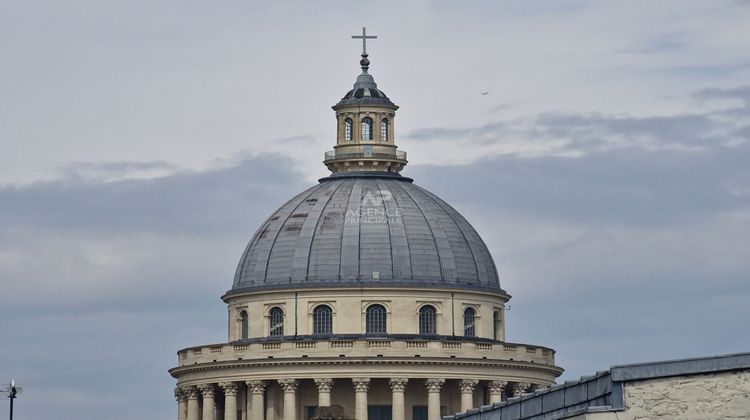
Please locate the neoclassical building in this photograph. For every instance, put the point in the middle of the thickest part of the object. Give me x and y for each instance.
(366, 294)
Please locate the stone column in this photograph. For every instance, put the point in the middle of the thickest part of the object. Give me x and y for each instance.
(324, 391)
(521, 388)
(230, 400)
(433, 397)
(181, 397)
(256, 389)
(466, 386)
(398, 386)
(361, 385)
(193, 407)
(497, 388)
(208, 392)
(290, 398)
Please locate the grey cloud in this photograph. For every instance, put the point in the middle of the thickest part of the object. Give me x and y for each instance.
(210, 202)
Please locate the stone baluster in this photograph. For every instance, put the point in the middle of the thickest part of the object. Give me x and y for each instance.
(290, 398)
(324, 391)
(497, 389)
(208, 391)
(466, 386)
(230, 400)
(181, 397)
(193, 405)
(521, 388)
(256, 389)
(398, 387)
(433, 397)
(361, 385)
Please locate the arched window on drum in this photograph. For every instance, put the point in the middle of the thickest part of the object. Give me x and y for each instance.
(427, 320)
(244, 325)
(469, 322)
(276, 322)
(375, 320)
(323, 320)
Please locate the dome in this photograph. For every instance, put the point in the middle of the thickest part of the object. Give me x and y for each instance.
(366, 230)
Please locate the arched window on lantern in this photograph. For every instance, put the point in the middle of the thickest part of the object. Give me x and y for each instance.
(384, 130)
(496, 325)
(427, 320)
(366, 128)
(375, 320)
(243, 325)
(322, 320)
(348, 129)
(276, 322)
(469, 318)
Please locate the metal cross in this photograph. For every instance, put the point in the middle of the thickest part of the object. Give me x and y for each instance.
(364, 37)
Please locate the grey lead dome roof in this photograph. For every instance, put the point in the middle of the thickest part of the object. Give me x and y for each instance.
(371, 230)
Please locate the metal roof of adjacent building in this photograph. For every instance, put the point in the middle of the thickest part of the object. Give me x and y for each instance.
(366, 230)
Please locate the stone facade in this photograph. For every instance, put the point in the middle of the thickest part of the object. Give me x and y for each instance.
(724, 395)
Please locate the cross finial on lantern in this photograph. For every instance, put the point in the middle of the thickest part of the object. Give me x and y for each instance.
(364, 37)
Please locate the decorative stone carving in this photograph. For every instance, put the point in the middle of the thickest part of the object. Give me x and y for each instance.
(179, 394)
(521, 388)
(497, 387)
(230, 388)
(467, 385)
(539, 387)
(324, 384)
(361, 384)
(434, 384)
(289, 385)
(192, 392)
(256, 387)
(398, 384)
(207, 390)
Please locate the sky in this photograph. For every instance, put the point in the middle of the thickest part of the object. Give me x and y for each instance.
(143, 142)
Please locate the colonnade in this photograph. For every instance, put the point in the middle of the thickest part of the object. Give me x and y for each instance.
(199, 402)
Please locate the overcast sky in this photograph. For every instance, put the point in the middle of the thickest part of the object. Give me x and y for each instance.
(143, 142)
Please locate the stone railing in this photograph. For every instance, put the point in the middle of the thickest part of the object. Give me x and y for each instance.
(334, 155)
(364, 347)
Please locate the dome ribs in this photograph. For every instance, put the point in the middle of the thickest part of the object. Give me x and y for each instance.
(366, 230)
(375, 260)
(400, 255)
(349, 267)
(278, 256)
(440, 236)
(423, 250)
(252, 267)
(325, 250)
(301, 258)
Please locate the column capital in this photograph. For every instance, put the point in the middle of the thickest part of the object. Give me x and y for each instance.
(207, 390)
(230, 388)
(538, 387)
(191, 392)
(324, 384)
(398, 384)
(361, 384)
(256, 387)
(467, 385)
(179, 393)
(497, 387)
(434, 384)
(289, 385)
(521, 388)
